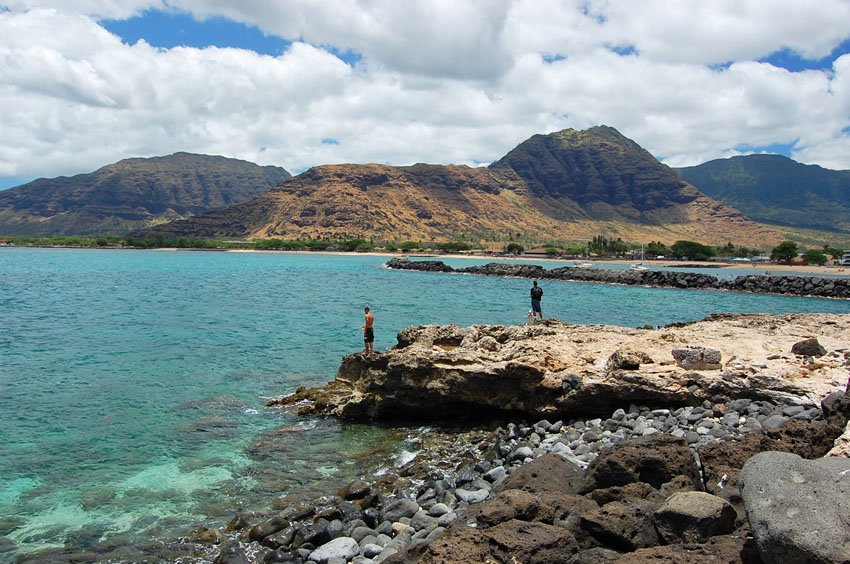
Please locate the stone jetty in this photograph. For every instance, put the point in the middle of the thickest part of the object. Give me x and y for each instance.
(819, 286)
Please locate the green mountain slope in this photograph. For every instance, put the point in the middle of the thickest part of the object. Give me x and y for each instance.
(776, 189)
(608, 175)
(132, 193)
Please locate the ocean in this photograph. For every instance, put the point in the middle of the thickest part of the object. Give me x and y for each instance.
(133, 383)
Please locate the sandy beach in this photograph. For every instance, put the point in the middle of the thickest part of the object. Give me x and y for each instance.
(763, 267)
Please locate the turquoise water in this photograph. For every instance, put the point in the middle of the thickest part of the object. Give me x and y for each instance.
(132, 383)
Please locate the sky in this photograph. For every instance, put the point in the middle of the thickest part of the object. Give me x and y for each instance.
(301, 83)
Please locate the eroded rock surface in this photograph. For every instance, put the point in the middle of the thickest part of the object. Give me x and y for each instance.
(799, 510)
(558, 370)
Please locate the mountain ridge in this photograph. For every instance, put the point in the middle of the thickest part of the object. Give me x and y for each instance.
(776, 189)
(120, 197)
(567, 185)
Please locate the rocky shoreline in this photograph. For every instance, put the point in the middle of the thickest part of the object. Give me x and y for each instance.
(818, 286)
(685, 444)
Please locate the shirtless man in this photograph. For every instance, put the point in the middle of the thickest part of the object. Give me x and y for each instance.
(368, 333)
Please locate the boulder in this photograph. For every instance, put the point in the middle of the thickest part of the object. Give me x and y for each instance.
(722, 460)
(231, 553)
(622, 526)
(727, 549)
(345, 548)
(511, 541)
(697, 358)
(507, 505)
(655, 459)
(546, 473)
(694, 517)
(808, 347)
(625, 359)
(798, 509)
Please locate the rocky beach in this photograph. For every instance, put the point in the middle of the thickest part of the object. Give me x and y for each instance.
(723, 440)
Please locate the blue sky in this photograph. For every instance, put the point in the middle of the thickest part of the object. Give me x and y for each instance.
(299, 84)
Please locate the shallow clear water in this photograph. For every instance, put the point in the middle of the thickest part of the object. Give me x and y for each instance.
(132, 383)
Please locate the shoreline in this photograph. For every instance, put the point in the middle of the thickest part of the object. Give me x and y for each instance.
(758, 268)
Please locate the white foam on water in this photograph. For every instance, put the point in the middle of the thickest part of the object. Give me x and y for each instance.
(11, 491)
(404, 457)
(169, 476)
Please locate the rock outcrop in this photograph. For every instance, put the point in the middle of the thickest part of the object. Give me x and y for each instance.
(563, 371)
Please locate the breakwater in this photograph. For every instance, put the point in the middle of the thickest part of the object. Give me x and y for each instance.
(817, 286)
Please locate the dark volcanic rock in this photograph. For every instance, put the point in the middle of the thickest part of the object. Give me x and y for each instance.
(722, 460)
(718, 550)
(514, 540)
(655, 460)
(798, 509)
(623, 526)
(231, 553)
(547, 473)
(694, 517)
(808, 347)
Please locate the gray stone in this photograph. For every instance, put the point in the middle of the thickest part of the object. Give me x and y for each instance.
(522, 453)
(372, 550)
(474, 496)
(694, 517)
(774, 422)
(400, 508)
(438, 510)
(360, 533)
(495, 474)
(231, 553)
(422, 521)
(798, 509)
(697, 358)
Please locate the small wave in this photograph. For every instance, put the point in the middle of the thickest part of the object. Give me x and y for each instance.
(404, 457)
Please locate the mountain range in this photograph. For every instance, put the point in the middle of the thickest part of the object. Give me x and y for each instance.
(775, 189)
(131, 194)
(564, 186)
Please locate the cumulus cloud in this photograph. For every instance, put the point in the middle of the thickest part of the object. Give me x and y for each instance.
(439, 81)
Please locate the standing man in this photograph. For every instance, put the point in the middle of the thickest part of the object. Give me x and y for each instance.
(536, 296)
(368, 333)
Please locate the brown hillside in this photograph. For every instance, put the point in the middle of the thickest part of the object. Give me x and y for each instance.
(567, 186)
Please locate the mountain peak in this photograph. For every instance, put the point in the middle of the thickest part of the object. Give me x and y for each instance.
(599, 168)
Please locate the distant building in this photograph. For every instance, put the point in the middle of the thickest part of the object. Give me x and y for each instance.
(845, 259)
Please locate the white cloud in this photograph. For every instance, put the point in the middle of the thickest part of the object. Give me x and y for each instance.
(445, 82)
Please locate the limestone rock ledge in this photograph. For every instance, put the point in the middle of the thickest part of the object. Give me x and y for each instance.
(554, 369)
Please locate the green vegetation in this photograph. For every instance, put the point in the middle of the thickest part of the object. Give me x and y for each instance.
(602, 245)
(514, 249)
(784, 251)
(692, 250)
(815, 256)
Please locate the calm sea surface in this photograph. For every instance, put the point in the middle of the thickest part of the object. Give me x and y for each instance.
(132, 383)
